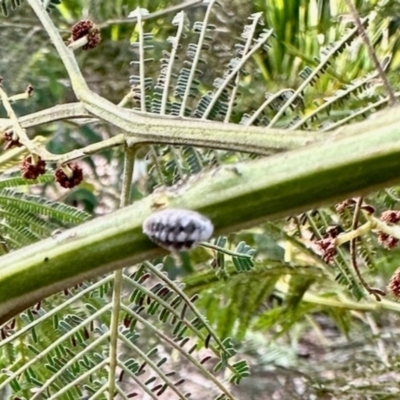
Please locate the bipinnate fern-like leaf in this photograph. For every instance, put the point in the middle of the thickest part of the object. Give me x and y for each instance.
(311, 75)
(39, 205)
(14, 179)
(68, 335)
(360, 87)
(27, 218)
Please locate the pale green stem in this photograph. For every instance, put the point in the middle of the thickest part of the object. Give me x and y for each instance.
(161, 13)
(18, 131)
(78, 43)
(171, 62)
(347, 236)
(392, 230)
(118, 278)
(196, 57)
(372, 223)
(342, 302)
(224, 250)
(99, 392)
(156, 129)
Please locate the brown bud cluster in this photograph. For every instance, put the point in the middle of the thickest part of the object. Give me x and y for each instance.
(9, 141)
(333, 231)
(348, 203)
(29, 90)
(387, 241)
(327, 248)
(31, 170)
(87, 28)
(384, 239)
(74, 178)
(394, 284)
(391, 216)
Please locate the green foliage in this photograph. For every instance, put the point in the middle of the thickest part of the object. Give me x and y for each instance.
(75, 323)
(11, 5)
(27, 218)
(269, 280)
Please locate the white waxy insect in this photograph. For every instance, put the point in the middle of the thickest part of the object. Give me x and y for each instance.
(176, 229)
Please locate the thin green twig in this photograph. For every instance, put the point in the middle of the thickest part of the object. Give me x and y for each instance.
(118, 278)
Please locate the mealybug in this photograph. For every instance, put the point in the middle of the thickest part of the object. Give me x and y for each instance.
(176, 229)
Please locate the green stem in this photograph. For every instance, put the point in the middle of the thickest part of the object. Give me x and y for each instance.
(353, 234)
(152, 129)
(99, 392)
(268, 188)
(224, 250)
(118, 279)
(342, 302)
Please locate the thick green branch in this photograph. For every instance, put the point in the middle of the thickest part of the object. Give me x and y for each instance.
(158, 129)
(233, 197)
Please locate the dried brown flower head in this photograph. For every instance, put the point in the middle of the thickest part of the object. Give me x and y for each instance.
(387, 241)
(31, 169)
(327, 248)
(9, 141)
(87, 28)
(69, 176)
(333, 231)
(348, 203)
(394, 284)
(391, 216)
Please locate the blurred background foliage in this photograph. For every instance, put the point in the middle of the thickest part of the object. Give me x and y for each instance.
(297, 322)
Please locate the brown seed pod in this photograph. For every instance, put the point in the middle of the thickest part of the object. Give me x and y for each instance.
(176, 229)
